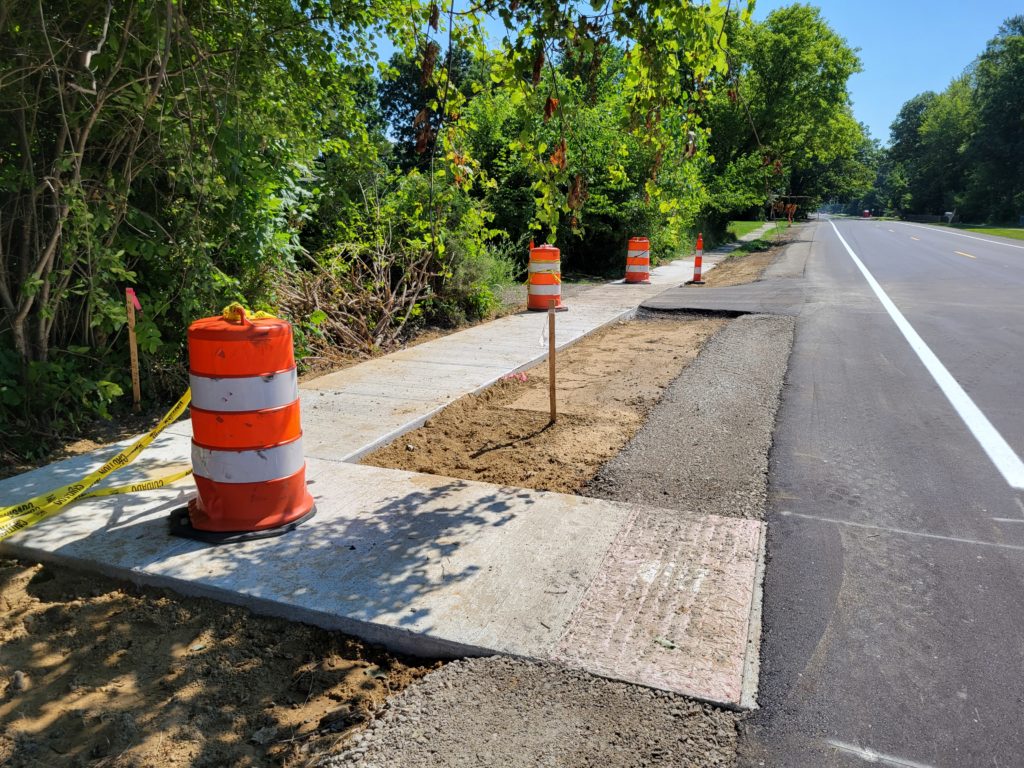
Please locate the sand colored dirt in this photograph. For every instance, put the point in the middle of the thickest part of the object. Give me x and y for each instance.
(97, 673)
(606, 385)
(738, 270)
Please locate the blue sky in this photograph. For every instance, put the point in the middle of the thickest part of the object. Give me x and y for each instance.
(907, 47)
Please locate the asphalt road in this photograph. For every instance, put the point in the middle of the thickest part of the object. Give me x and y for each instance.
(894, 594)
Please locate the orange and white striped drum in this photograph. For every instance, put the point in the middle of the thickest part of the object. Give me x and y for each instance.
(638, 260)
(545, 283)
(246, 431)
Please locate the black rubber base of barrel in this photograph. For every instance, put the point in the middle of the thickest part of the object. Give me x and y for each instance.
(562, 308)
(181, 525)
(694, 282)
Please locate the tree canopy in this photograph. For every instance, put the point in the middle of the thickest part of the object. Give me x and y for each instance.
(786, 127)
(205, 151)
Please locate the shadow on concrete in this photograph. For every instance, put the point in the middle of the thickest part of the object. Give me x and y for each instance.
(389, 562)
(378, 568)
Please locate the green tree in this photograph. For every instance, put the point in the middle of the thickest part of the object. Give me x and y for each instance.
(170, 146)
(785, 126)
(907, 153)
(673, 53)
(904, 133)
(996, 189)
(946, 129)
(609, 169)
(405, 100)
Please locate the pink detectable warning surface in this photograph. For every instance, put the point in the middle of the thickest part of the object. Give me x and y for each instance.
(669, 607)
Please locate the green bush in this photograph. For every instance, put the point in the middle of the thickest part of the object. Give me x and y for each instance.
(39, 400)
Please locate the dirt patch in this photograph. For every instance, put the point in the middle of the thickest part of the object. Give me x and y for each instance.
(97, 673)
(740, 269)
(606, 385)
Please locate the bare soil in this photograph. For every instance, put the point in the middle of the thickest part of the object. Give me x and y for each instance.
(96, 673)
(606, 385)
(741, 269)
(738, 270)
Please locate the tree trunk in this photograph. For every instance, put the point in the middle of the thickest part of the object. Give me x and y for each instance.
(19, 336)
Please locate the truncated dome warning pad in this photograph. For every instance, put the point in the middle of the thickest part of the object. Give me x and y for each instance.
(669, 607)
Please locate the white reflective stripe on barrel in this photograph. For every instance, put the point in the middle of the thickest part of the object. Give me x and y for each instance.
(244, 393)
(638, 268)
(545, 290)
(638, 254)
(248, 466)
(545, 266)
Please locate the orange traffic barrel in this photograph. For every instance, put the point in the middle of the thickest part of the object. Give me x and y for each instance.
(698, 261)
(638, 260)
(247, 455)
(545, 283)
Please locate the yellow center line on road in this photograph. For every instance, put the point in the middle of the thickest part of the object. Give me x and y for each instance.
(914, 238)
(961, 253)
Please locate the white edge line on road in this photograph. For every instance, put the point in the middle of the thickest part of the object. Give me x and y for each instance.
(870, 756)
(902, 531)
(960, 234)
(998, 450)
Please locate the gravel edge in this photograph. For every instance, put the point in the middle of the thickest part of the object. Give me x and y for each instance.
(724, 404)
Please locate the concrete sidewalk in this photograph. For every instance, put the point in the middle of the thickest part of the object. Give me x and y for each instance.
(435, 566)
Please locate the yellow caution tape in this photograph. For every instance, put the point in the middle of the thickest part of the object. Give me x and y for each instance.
(236, 313)
(143, 485)
(139, 487)
(20, 516)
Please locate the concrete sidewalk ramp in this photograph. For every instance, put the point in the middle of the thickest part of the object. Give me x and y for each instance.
(434, 566)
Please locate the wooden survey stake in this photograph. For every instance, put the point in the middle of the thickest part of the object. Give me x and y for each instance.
(551, 361)
(131, 302)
